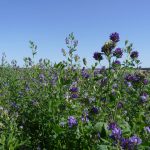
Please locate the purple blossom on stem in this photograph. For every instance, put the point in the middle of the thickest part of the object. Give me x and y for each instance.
(116, 62)
(118, 53)
(144, 97)
(97, 56)
(74, 95)
(84, 73)
(147, 129)
(125, 143)
(129, 84)
(112, 126)
(145, 82)
(134, 54)
(119, 105)
(74, 89)
(95, 110)
(135, 140)
(72, 121)
(114, 37)
(116, 133)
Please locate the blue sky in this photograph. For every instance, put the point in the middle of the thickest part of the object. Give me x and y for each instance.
(48, 23)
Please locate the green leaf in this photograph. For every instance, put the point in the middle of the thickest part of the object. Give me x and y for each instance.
(102, 147)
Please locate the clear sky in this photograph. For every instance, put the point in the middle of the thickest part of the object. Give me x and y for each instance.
(48, 23)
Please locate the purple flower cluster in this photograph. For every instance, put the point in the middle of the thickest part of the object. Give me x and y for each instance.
(97, 56)
(72, 121)
(145, 81)
(95, 110)
(144, 97)
(116, 131)
(116, 63)
(130, 143)
(115, 37)
(134, 54)
(84, 73)
(147, 129)
(118, 53)
(126, 143)
(134, 78)
(74, 91)
(120, 105)
(112, 125)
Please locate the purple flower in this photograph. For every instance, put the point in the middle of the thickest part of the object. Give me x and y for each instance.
(116, 63)
(85, 75)
(118, 53)
(134, 78)
(72, 121)
(74, 96)
(115, 85)
(114, 37)
(119, 105)
(135, 140)
(116, 133)
(144, 96)
(74, 89)
(134, 54)
(125, 144)
(97, 56)
(129, 84)
(147, 129)
(129, 77)
(95, 110)
(112, 126)
(145, 82)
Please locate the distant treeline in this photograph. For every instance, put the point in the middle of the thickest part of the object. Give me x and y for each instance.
(148, 69)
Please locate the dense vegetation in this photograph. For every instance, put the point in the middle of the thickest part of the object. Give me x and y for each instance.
(62, 106)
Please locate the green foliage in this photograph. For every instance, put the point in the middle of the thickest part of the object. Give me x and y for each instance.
(36, 102)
